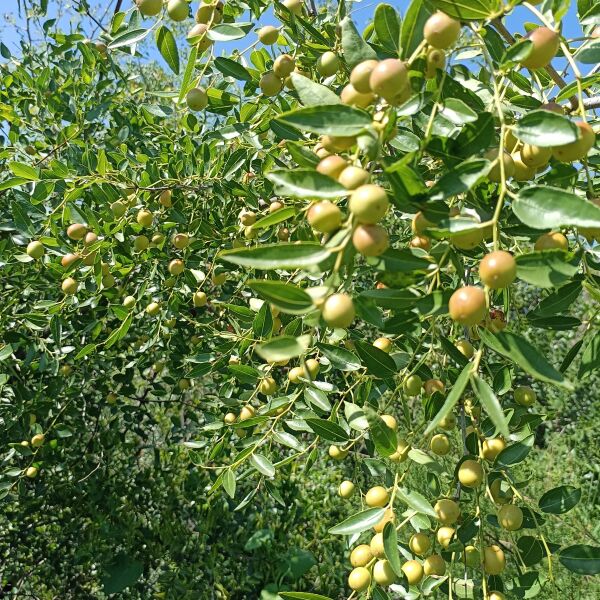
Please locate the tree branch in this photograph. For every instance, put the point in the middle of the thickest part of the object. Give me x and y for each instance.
(118, 6)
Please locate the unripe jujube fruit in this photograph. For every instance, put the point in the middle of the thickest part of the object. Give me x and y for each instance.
(324, 216)
(493, 560)
(377, 496)
(334, 143)
(447, 511)
(247, 412)
(359, 579)
(31, 472)
(495, 173)
(181, 240)
(353, 177)
(500, 495)
(247, 217)
(352, 97)
(402, 450)
(491, 448)
(444, 536)
(376, 545)
(37, 440)
(448, 422)
(465, 348)
(332, 166)
(384, 344)
(178, 10)
(35, 249)
(149, 8)
(389, 78)
(369, 203)
(525, 396)
(545, 46)
(510, 517)
(69, 286)
(229, 418)
(267, 386)
(390, 421)
(328, 64)
(361, 555)
(535, 156)
(196, 99)
(470, 473)
(412, 385)
(218, 278)
(268, 35)
(337, 453)
(198, 36)
(346, 489)
(431, 386)
(141, 243)
(388, 517)
(436, 60)
(199, 299)
(270, 84)
(434, 565)
(361, 74)
(211, 12)
(498, 269)
(338, 311)
(295, 374)
(370, 240)
(441, 30)
(129, 302)
(176, 267)
(153, 308)
(144, 218)
(294, 6)
(522, 171)
(76, 231)
(118, 209)
(578, 149)
(419, 544)
(413, 571)
(383, 574)
(467, 306)
(440, 444)
(283, 65)
(551, 241)
(420, 241)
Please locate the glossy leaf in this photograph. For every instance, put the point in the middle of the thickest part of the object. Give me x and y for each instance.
(342, 120)
(167, 46)
(306, 183)
(312, 93)
(277, 256)
(581, 558)
(355, 49)
(560, 500)
(283, 348)
(328, 430)
(490, 403)
(546, 129)
(378, 363)
(383, 437)
(359, 522)
(390, 545)
(285, 296)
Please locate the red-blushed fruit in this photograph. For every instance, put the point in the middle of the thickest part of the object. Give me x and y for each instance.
(76, 231)
(413, 571)
(496, 320)
(338, 310)
(495, 173)
(420, 241)
(510, 517)
(535, 156)
(434, 565)
(361, 74)
(441, 30)
(361, 555)
(578, 149)
(447, 511)
(370, 240)
(270, 84)
(324, 216)
(196, 99)
(389, 78)
(467, 306)
(431, 386)
(283, 65)
(493, 560)
(268, 35)
(498, 269)
(470, 473)
(332, 166)
(553, 240)
(377, 496)
(545, 46)
(368, 204)
(352, 97)
(359, 579)
(419, 544)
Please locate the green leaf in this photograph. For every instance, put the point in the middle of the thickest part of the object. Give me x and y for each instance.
(328, 430)
(129, 38)
(519, 351)
(491, 405)
(283, 347)
(302, 596)
(262, 325)
(460, 179)
(390, 546)
(229, 483)
(590, 360)
(88, 349)
(13, 182)
(286, 297)
(411, 34)
(472, 10)
(558, 301)
(545, 128)
(167, 46)
(457, 112)
(387, 27)
(455, 393)
(416, 501)
(122, 573)
(378, 363)
(571, 89)
(383, 437)
(340, 120)
(531, 550)
(515, 453)
(544, 207)
(232, 68)
(589, 53)
(581, 559)
(305, 183)
(317, 398)
(189, 71)
(262, 464)
(227, 32)
(355, 49)
(560, 500)
(24, 171)
(518, 52)
(277, 256)
(549, 268)
(340, 358)
(355, 416)
(359, 522)
(312, 93)
(278, 216)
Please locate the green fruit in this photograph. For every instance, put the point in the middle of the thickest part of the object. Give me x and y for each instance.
(283, 66)
(144, 218)
(338, 311)
(467, 306)
(200, 299)
(353, 177)
(493, 560)
(510, 517)
(545, 46)
(129, 302)
(37, 440)
(495, 172)
(436, 60)
(346, 489)
(328, 64)
(383, 574)
(440, 444)
(361, 555)
(294, 6)
(178, 10)
(370, 240)
(196, 99)
(361, 75)
(118, 209)
(149, 8)
(535, 156)
(35, 249)
(268, 35)
(198, 36)
(176, 267)
(69, 286)
(522, 171)
(412, 385)
(181, 240)
(141, 243)
(470, 473)
(389, 78)
(270, 84)
(419, 544)
(210, 13)
(441, 31)
(153, 308)
(434, 565)
(368, 204)
(324, 216)
(579, 149)
(359, 579)
(447, 511)
(525, 396)
(413, 571)
(31, 472)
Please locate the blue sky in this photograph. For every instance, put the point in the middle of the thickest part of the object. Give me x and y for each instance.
(362, 12)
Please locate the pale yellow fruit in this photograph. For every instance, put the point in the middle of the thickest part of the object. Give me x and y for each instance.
(470, 473)
(337, 453)
(413, 571)
(390, 421)
(199, 299)
(510, 517)
(434, 565)
(361, 556)
(493, 560)
(346, 489)
(440, 444)
(444, 536)
(377, 496)
(383, 574)
(419, 544)
(447, 511)
(376, 545)
(359, 579)
(492, 447)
